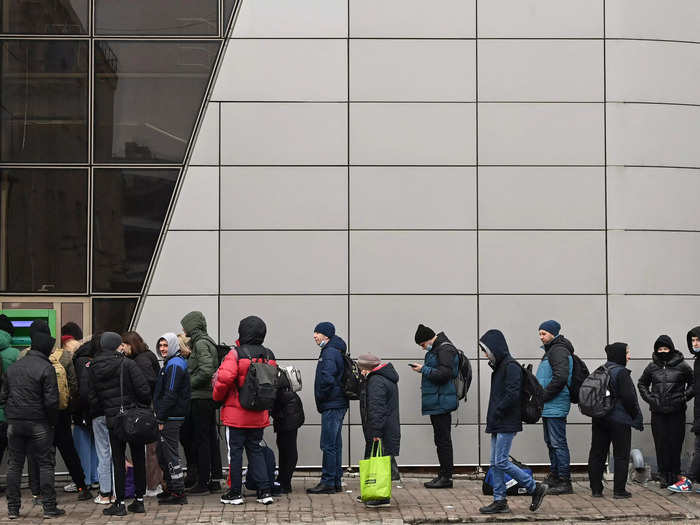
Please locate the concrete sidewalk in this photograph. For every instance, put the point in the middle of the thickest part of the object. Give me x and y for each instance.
(411, 504)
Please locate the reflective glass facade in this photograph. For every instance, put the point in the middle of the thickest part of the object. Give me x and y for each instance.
(99, 100)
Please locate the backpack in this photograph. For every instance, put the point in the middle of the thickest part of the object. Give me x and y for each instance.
(259, 389)
(293, 375)
(61, 378)
(222, 351)
(531, 397)
(595, 398)
(463, 379)
(352, 378)
(579, 374)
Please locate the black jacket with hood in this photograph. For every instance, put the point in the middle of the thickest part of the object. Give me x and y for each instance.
(695, 332)
(84, 413)
(506, 385)
(626, 410)
(667, 382)
(379, 408)
(288, 411)
(30, 388)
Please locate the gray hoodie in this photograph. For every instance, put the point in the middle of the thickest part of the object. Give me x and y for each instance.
(173, 344)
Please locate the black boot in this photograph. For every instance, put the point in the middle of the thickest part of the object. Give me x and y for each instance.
(551, 479)
(663, 480)
(538, 495)
(116, 509)
(563, 486)
(136, 507)
(441, 482)
(53, 512)
(321, 489)
(497, 507)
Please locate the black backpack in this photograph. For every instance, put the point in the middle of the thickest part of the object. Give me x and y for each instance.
(259, 389)
(352, 377)
(579, 374)
(222, 351)
(531, 397)
(595, 397)
(464, 375)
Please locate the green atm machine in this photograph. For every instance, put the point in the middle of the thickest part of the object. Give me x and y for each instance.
(23, 319)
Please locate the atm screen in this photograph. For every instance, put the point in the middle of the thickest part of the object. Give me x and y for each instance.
(21, 324)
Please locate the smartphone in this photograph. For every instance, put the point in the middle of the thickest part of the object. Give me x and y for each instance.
(411, 365)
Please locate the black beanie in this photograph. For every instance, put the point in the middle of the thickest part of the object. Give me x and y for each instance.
(617, 353)
(42, 340)
(6, 325)
(423, 334)
(664, 340)
(72, 329)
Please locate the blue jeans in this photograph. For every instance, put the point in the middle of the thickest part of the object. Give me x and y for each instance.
(104, 454)
(501, 464)
(555, 437)
(332, 446)
(85, 446)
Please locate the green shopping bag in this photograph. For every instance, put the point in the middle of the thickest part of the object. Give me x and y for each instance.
(375, 475)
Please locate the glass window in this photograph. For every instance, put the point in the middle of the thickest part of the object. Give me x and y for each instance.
(43, 101)
(229, 6)
(44, 17)
(157, 17)
(129, 206)
(43, 230)
(147, 97)
(112, 315)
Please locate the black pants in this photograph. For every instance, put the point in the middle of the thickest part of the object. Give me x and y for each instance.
(138, 459)
(442, 433)
(63, 440)
(694, 473)
(669, 432)
(3, 439)
(603, 434)
(33, 439)
(202, 421)
(288, 457)
(216, 466)
(248, 438)
(168, 451)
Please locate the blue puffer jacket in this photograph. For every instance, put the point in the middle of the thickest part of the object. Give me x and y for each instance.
(438, 393)
(554, 374)
(328, 388)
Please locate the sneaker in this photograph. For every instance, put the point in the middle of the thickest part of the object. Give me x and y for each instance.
(232, 498)
(359, 499)
(84, 494)
(538, 495)
(103, 500)
(440, 482)
(71, 487)
(622, 495)
(321, 489)
(265, 498)
(53, 512)
(378, 503)
(116, 509)
(13, 514)
(497, 507)
(562, 487)
(198, 490)
(165, 494)
(155, 492)
(174, 499)
(137, 507)
(684, 485)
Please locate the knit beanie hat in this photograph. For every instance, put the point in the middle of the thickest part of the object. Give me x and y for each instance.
(71, 329)
(40, 334)
(423, 334)
(617, 353)
(664, 340)
(6, 325)
(325, 328)
(551, 326)
(110, 341)
(368, 361)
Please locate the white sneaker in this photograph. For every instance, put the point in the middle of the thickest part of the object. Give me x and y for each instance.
(71, 487)
(103, 500)
(265, 499)
(153, 493)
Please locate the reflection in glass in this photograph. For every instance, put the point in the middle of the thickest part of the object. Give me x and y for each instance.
(112, 315)
(43, 101)
(129, 207)
(157, 17)
(229, 6)
(147, 97)
(44, 17)
(43, 230)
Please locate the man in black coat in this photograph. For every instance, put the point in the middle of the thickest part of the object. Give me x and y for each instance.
(503, 421)
(30, 397)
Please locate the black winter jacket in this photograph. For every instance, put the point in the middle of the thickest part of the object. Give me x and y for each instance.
(150, 368)
(103, 374)
(288, 410)
(84, 412)
(506, 386)
(666, 385)
(379, 408)
(557, 351)
(30, 388)
(695, 332)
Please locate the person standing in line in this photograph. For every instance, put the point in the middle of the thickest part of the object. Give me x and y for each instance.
(200, 424)
(107, 372)
(8, 355)
(244, 427)
(504, 421)
(616, 426)
(30, 397)
(287, 418)
(438, 396)
(686, 483)
(667, 385)
(554, 374)
(171, 402)
(332, 404)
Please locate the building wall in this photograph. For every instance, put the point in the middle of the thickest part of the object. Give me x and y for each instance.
(466, 164)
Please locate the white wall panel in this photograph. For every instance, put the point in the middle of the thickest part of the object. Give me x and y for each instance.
(300, 18)
(187, 264)
(676, 20)
(197, 206)
(162, 314)
(206, 146)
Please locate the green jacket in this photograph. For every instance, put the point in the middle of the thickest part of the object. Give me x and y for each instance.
(203, 360)
(8, 355)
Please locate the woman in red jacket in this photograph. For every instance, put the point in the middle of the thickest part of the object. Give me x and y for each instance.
(244, 428)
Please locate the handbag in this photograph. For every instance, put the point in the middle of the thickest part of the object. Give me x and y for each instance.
(135, 424)
(375, 475)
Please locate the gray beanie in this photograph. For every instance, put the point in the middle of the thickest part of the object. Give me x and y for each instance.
(110, 341)
(368, 361)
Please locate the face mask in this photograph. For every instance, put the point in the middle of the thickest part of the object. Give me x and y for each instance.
(322, 344)
(695, 351)
(428, 348)
(665, 356)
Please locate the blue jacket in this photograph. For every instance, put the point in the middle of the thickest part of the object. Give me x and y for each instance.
(554, 374)
(503, 415)
(171, 398)
(438, 393)
(328, 388)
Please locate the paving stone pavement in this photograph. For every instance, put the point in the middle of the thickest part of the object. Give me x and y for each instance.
(411, 503)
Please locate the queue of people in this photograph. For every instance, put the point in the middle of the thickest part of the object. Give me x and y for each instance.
(90, 385)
